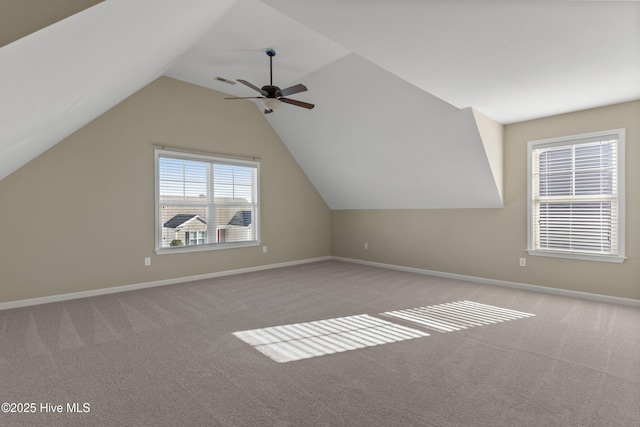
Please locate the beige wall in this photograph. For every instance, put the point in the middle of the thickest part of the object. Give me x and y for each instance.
(487, 243)
(81, 216)
(20, 18)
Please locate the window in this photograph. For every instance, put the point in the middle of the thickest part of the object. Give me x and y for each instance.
(576, 196)
(196, 237)
(205, 202)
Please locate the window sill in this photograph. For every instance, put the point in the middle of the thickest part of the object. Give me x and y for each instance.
(571, 255)
(202, 248)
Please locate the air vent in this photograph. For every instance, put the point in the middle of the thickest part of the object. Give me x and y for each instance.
(223, 80)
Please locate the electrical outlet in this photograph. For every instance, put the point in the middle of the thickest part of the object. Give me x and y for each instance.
(523, 262)
(366, 246)
(264, 249)
(147, 261)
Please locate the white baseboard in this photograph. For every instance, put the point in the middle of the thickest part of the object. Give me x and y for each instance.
(134, 287)
(515, 285)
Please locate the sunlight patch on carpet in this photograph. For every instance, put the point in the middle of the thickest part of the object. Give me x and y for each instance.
(455, 316)
(305, 340)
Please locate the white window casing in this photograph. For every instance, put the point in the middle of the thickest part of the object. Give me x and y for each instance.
(576, 196)
(204, 202)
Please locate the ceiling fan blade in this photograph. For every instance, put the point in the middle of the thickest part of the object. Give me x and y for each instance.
(252, 86)
(293, 89)
(297, 103)
(246, 97)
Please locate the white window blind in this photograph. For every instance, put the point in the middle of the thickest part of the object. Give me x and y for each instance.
(575, 196)
(204, 202)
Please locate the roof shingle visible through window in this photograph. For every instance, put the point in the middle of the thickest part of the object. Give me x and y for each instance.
(180, 219)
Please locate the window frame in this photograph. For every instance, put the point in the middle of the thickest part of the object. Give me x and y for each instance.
(189, 235)
(573, 140)
(213, 159)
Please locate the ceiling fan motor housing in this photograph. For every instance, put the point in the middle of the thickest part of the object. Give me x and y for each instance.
(272, 91)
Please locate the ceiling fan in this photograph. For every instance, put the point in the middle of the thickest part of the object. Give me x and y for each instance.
(272, 96)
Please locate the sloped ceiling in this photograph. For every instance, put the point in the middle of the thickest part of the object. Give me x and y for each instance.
(58, 79)
(409, 95)
(408, 150)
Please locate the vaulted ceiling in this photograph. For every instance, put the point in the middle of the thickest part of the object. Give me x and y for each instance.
(410, 95)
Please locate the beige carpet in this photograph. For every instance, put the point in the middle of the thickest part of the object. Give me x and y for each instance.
(373, 347)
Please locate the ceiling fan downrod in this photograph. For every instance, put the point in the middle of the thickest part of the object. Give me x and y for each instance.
(271, 54)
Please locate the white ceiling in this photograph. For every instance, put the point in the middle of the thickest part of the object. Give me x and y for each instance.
(393, 82)
(512, 60)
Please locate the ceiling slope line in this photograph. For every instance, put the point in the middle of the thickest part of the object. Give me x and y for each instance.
(58, 79)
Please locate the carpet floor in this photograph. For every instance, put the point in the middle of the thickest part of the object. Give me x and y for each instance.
(321, 344)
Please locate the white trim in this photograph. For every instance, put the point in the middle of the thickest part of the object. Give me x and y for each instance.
(206, 247)
(186, 155)
(620, 135)
(580, 256)
(117, 289)
(523, 286)
(165, 282)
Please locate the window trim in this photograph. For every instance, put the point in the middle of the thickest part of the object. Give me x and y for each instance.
(187, 155)
(572, 140)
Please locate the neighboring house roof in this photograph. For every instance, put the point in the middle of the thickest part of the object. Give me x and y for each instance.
(180, 219)
(242, 218)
